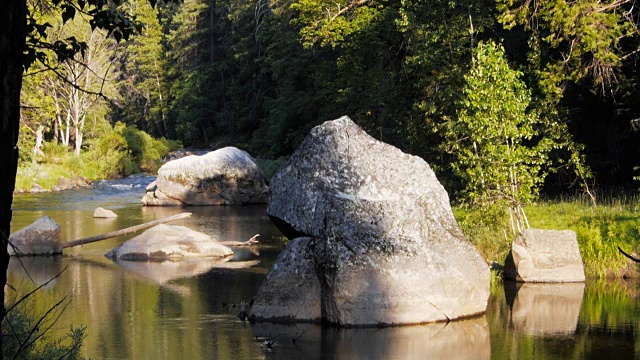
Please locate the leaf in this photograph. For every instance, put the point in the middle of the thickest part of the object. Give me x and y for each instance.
(68, 13)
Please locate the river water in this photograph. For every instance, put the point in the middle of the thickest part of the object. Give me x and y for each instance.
(189, 310)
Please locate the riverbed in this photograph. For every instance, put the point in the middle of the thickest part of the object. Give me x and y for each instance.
(189, 311)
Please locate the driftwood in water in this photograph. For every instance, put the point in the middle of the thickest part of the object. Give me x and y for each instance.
(629, 256)
(126, 230)
(249, 242)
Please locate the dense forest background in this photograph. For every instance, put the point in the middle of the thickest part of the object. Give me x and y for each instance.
(259, 74)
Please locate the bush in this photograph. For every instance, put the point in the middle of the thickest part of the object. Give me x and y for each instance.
(25, 335)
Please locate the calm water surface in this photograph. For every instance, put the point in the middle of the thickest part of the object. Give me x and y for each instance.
(182, 310)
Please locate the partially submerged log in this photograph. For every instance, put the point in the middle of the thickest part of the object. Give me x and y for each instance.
(125, 231)
(249, 242)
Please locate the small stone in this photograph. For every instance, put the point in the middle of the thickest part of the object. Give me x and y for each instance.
(104, 213)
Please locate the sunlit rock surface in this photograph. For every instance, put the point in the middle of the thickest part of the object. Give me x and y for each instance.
(223, 177)
(545, 256)
(544, 309)
(40, 238)
(101, 212)
(169, 242)
(384, 246)
(464, 339)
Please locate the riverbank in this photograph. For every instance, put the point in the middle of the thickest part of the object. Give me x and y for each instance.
(120, 151)
(600, 230)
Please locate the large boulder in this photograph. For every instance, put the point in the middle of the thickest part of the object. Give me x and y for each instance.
(545, 256)
(43, 237)
(169, 242)
(223, 177)
(385, 247)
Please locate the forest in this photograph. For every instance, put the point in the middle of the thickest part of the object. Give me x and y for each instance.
(260, 74)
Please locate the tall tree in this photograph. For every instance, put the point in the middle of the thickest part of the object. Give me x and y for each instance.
(22, 40)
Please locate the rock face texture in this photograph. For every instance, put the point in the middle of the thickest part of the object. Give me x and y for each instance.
(169, 242)
(40, 238)
(104, 213)
(545, 256)
(383, 245)
(223, 177)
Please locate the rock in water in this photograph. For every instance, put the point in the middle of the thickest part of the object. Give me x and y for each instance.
(104, 213)
(385, 247)
(223, 177)
(545, 256)
(40, 238)
(169, 242)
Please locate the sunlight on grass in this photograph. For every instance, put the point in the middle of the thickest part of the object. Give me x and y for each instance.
(600, 230)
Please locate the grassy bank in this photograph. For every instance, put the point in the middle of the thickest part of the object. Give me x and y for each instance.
(118, 151)
(600, 230)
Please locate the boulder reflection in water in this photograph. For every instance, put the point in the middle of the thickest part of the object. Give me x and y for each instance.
(40, 269)
(464, 339)
(544, 309)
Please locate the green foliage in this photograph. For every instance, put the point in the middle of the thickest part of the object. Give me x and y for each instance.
(25, 334)
(600, 230)
(118, 151)
(585, 34)
(26, 141)
(270, 167)
(497, 150)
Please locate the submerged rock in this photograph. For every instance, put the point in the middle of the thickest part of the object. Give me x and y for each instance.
(43, 237)
(169, 242)
(223, 177)
(104, 213)
(384, 248)
(545, 256)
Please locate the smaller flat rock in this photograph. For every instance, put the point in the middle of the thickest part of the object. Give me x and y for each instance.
(169, 242)
(43, 237)
(104, 213)
(545, 256)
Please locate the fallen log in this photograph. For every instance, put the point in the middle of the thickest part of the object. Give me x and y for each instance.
(125, 231)
(249, 242)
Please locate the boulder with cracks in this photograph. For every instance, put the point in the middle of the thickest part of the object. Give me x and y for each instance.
(381, 244)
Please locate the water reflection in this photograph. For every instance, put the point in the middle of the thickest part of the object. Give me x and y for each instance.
(544, 309)
(37, 270)
(162, 273)
(465, 339)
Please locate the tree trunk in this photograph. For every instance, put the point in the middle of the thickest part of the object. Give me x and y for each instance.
(39, 139)
(12, 41)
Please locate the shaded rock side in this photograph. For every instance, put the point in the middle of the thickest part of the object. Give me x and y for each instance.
(389, 249)
(545, 256)
(291, 291)
(101, 212)
(169, 242)
(43, 237)
(223, 177)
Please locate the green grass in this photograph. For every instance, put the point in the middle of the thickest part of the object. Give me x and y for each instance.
(600, 230)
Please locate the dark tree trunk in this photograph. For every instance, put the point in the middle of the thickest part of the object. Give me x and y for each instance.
(13, 15)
